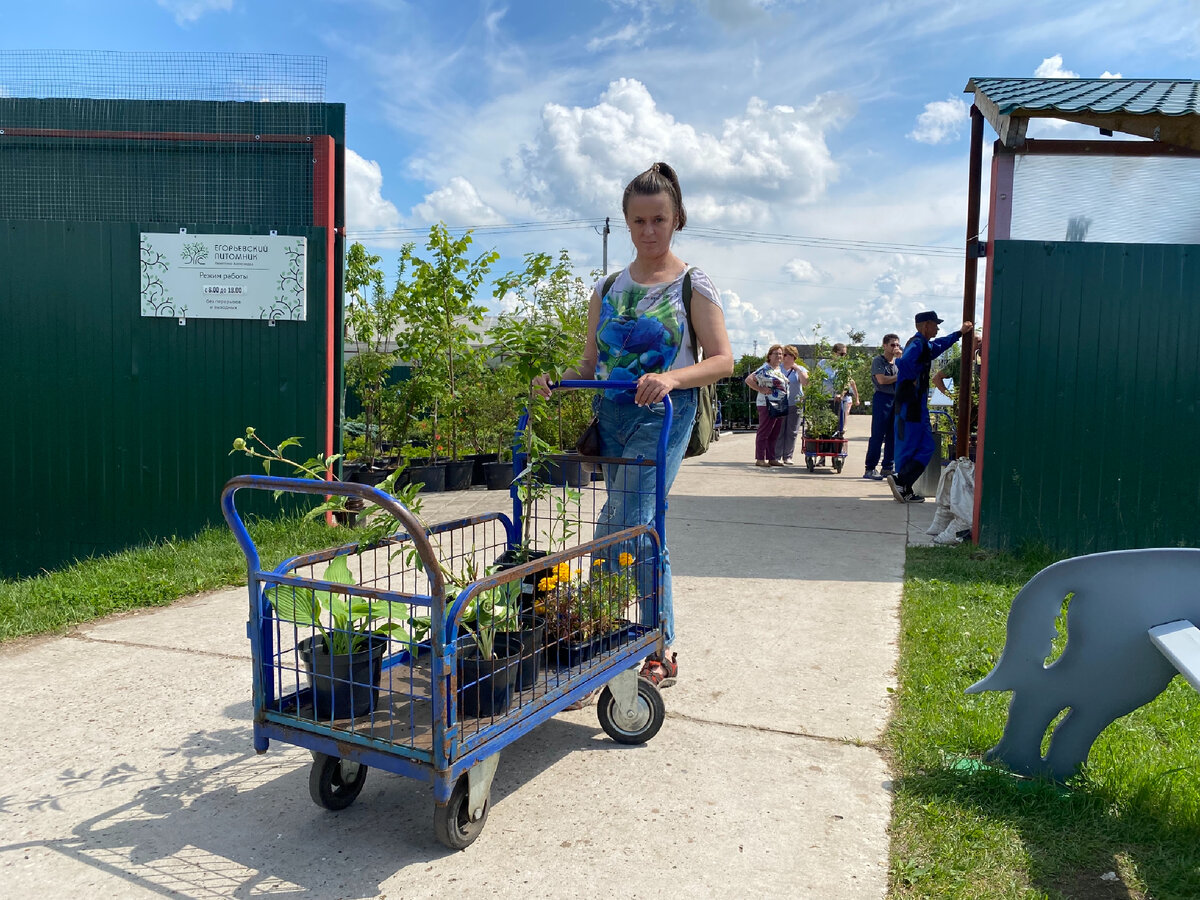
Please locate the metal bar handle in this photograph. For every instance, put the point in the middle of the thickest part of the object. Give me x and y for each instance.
(415, 528)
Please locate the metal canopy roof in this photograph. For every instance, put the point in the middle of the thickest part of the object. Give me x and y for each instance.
(1159, 109)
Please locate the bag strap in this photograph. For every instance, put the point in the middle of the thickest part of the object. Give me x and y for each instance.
(608, 283)
(687, 310)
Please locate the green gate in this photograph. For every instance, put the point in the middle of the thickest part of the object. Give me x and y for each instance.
(118, 426)
(1091, 397)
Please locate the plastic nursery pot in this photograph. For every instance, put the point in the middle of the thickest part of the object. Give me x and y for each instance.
(485, 686)
(346, 685)
(529, 638)
(497, 475)
(478, 474)
(510, 558)
(458, 474)
(567, 653)
(569, 471)
(432, 477)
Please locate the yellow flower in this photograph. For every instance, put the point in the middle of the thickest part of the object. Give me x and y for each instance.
(563, 571)
(598, 562)
(548, 584)
(625, 559)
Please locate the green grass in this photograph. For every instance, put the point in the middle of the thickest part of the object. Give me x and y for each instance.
(964, 831)
(147, 576)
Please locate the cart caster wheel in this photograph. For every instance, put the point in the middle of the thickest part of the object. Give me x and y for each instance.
(811, 463)
(647, 718)
(837, 465)
(452, 823)
(335, 783)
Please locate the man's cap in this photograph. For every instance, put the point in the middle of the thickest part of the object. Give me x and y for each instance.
(928, 316)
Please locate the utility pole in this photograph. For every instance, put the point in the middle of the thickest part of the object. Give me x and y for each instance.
(606, 231)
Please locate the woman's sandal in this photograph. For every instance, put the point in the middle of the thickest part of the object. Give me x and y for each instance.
(660, 672)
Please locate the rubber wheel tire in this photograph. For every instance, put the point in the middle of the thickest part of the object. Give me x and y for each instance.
(452, 823)
(838, 462)
(335, 783)
(645, 725)
(811, 463)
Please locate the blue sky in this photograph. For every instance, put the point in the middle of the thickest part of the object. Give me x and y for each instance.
(839, 121)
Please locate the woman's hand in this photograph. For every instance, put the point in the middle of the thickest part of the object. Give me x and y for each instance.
(653, 386)
(541, 385)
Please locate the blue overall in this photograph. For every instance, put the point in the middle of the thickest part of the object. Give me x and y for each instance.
(914, 438)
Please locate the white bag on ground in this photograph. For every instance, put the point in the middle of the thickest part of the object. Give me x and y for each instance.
(941, 511)
(962, 503)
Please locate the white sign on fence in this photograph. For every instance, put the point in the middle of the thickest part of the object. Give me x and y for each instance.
(224, 276)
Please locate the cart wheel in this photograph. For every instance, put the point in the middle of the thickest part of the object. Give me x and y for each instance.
(837, 464)
(452, 823)
(647, 718)
(335, 783)
(811, 463)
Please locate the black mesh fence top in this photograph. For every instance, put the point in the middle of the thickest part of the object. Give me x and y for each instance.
(147, 137)
(99, 74)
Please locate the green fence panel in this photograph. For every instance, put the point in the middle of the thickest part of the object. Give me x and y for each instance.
(121, 424)
(1092, 397)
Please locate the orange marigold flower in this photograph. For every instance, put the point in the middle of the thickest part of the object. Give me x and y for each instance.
(626, 559)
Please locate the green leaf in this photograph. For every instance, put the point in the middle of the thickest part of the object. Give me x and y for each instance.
(338, 571)
(294, 604)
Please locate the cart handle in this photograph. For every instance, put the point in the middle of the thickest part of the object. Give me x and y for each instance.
(660, 487)
(415, 528)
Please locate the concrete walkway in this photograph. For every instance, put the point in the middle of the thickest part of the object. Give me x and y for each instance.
(130, 771)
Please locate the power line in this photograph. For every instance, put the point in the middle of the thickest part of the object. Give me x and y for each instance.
(711, 233)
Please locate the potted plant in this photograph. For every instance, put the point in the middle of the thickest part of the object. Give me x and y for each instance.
(588, 614)
(441, 321)
(542, 336)
(489, 654)
(372, 316)
(343, 657)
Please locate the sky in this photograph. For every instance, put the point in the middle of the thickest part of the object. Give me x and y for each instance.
(821, 147)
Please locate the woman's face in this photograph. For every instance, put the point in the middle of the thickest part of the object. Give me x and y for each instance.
(775, 356)
(789, 361)
(651, 219)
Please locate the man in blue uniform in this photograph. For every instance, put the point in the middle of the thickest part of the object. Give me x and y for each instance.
(914, 439)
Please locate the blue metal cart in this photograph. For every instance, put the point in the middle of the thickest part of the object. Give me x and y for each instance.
(370, 655)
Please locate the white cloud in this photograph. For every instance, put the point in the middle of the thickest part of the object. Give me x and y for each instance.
(188, 11)
(1052, 67)
(1108, 74)
(803, 270)
(456, 203)
(581, 157)
(941, 122)
(366, 208)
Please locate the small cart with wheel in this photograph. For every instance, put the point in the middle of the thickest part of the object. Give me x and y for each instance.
(818, 449)
(426, 650)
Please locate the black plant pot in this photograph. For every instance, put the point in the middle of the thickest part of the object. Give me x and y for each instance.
(478, 475)
(510, 558)
(370, 477)
(566, 653)
(570, 472)
(485, 686)
(529, 639)
(458, 474)
(432, 477)
(498, 475)
(344, 686)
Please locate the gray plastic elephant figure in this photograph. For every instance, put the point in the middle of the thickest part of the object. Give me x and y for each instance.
(1109, 666)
